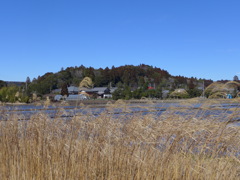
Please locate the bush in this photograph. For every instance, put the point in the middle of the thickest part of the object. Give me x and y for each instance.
(12, 94)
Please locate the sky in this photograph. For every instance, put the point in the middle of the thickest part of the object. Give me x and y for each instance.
(189, 38)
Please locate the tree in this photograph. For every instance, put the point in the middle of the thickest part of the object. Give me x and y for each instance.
(44, 84)
(137, 94)
(2, 84)
(64, 90)
(191, 84)
(127, 92)
(235, 78)
(28, 81)
(119, 92)
(194, 92)
(12, 94)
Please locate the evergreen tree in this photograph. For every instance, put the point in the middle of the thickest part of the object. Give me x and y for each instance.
(28, 81)
(64, 90)
(235, 78)
(2, 84)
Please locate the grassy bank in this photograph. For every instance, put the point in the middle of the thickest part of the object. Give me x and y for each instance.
(128, 147)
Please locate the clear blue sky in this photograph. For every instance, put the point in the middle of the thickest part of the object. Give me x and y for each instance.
(185, 37)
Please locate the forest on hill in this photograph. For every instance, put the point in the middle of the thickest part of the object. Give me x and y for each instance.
(128, 75)
(143, 79)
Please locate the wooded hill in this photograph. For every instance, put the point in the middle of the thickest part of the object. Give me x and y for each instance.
(132, 81)
(133, 77)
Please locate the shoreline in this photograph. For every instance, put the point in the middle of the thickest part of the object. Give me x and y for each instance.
(136, 101)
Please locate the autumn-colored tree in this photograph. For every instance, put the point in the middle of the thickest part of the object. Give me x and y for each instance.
(86, 82)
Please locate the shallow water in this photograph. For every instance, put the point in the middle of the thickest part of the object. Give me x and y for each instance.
(222, 112)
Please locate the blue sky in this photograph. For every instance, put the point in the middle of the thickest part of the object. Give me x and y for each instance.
(190, 38)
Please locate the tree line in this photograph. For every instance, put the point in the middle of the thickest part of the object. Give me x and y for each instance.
(132, 81)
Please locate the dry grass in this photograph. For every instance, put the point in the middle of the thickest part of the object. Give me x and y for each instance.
(128, 147)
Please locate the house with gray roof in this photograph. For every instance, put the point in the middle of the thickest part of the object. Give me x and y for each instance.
(73, 90)
(97, 92)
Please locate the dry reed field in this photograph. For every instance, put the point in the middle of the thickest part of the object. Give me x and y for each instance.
(170, 146)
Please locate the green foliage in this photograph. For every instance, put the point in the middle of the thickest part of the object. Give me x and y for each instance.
(12, 94)
(124, 92)
(130, 75)
(2, 84)
(98, 81)
(137, 94)
(194, 93)
(89, 72)
(44, 84)
(135, 77)
(127, 93)
(119, 92)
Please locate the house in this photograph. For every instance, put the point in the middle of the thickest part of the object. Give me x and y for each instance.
(96, 92)
(73, 90)
(101, 92)
(56, 91)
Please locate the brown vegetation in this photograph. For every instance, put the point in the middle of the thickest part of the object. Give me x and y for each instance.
(128, 147)
(219, 89)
